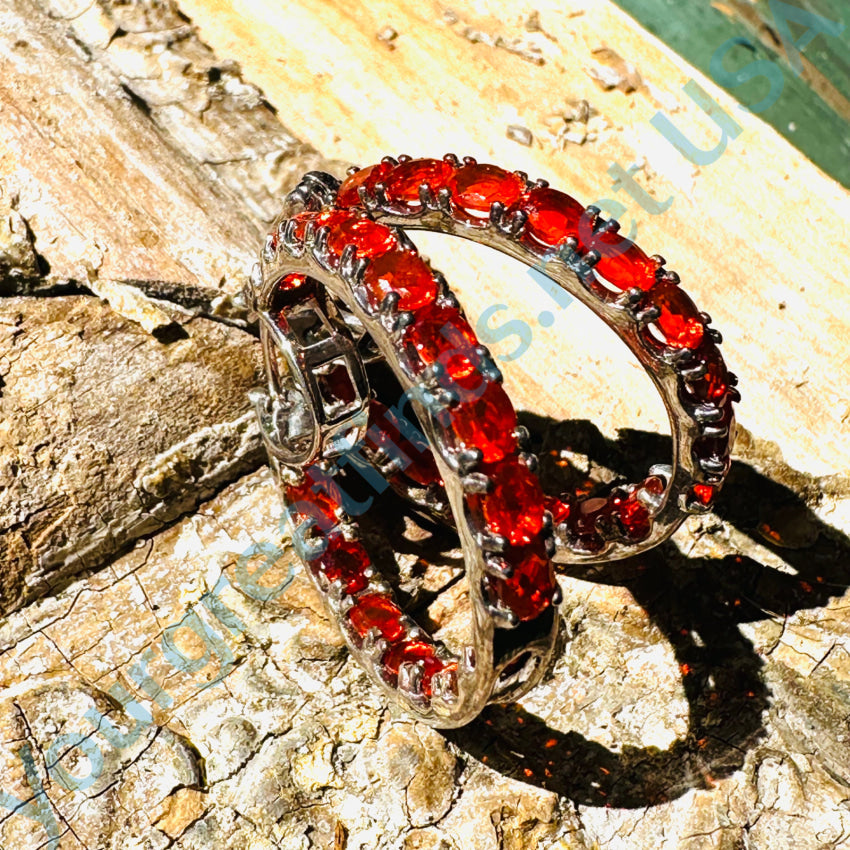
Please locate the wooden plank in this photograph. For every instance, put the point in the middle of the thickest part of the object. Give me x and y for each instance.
(137, 170)
(756, 235)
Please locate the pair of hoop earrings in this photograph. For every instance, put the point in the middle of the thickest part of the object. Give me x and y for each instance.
(339, 285)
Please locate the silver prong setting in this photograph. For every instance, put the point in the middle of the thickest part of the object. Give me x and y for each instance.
(468, 460)
(498, 568)
(529, 460)
(649, 315)
(444, 689)
(374, 330)
(503, 618)
(497, 211)
(492, 543)
(523, 438)
(477, 483)
(427, 197)
(410, 675)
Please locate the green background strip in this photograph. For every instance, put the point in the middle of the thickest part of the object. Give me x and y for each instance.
(813, 111)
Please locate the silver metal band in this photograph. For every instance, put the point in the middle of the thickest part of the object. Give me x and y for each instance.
(668, 368)
(303, 431)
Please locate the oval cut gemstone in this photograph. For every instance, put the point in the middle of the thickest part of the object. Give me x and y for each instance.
(635, 518)
(559, 507)
(441, 335)
(622, 262)
(290, 282)
(583, 519)
(714, 385)
(377, 611)
(326, 218)
(368, 178)
(346, 561)
(311, 500)
(475, 188)
(292, 289)
(404, 180)
(486, 423)
(553, 216)
(369, 237)
(383, 434)
(404, 272)
(514, 507)
(528, 593)
(680, 322)
(654, 484)
(703, 493)
(412, 651)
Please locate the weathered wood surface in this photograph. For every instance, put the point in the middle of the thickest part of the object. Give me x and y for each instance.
(152, 167)
(702, 696)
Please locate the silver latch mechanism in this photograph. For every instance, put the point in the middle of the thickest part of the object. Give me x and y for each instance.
(318, 393)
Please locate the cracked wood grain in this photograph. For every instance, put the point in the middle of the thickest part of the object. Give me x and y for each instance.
(90, 457)
(675, 708)
(135, 167)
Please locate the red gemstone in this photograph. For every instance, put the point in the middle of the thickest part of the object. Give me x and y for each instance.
(442, 335)
(404, 181)
(486, 423)
(368, 178)
(588, 512)
(714, 385)
(291, 281)
(583, 519)
(559, 508)
(654, 485)
(290, 290)
(704, 494)
(553, 216)
(528, 592)
(680, 322)
(383, 434)
(514, 507)
(370, 238)
(377, 611)
(346, 561)
(336, 386)
(635, 518)
(622, 263)
(326, 218)
(310, 499)
(404, 272)
(475, 187)
(412, 651)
